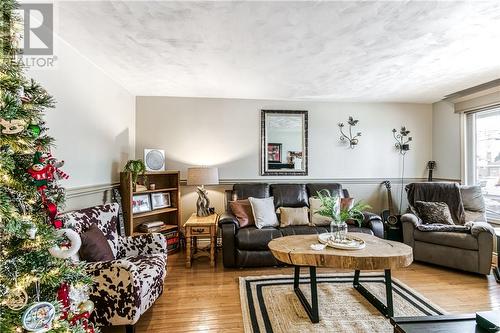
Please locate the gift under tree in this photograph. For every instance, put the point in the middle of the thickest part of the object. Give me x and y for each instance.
(41, 288)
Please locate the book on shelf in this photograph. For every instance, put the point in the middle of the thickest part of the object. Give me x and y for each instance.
(154, 226)
(170, 234)
(171, 241)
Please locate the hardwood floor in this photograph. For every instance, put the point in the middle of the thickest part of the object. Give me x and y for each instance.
(204, 299)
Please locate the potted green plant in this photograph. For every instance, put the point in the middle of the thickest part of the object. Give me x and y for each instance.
(136, 168)
(332, 207)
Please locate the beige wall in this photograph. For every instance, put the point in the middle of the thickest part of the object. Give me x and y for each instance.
(446, 143)
(226, 133)
(93, 123)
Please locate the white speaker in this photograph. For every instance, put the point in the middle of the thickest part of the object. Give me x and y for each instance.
(154, 159)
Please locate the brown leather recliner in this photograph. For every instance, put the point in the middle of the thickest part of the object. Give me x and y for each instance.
(247, 247)
(469, 250)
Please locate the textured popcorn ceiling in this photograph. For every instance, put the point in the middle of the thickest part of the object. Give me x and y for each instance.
(342, 51)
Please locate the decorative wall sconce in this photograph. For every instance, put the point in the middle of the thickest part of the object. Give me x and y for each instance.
(352, 140)
(402, 139)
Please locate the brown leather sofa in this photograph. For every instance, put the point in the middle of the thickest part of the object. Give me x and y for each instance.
(247, 247)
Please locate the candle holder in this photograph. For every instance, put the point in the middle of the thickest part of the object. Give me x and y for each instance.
(351, 139)
(402, 139)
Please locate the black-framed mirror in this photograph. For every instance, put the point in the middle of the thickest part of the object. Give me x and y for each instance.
(284, 143)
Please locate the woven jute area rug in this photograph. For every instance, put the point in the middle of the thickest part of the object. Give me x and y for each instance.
(269, 304)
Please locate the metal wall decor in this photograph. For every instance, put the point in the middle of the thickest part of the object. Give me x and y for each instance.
(352, 140)
(402, 139)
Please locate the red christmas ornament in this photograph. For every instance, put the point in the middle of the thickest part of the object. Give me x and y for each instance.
(58, 224)
(51, 210)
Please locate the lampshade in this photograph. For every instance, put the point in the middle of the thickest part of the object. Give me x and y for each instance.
(203, 176)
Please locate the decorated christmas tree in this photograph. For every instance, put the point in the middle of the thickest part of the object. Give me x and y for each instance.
(41, 288)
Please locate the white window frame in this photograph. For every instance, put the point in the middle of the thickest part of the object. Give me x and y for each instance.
(468, 126)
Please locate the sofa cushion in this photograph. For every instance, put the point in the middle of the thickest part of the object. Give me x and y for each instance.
(316, 219)
(242, 210)
(363, 230)
(256, 190)
(94, 246)
(473, 216)
(333, 188)
(434, 212)
(452, 239)
(264, 213)
(289, 195)
(302, 230)
(472, 198)
(293, 216)
(253, 239)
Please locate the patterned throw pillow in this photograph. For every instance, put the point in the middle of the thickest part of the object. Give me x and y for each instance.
(434, 212)
(242, 210)
(293, 216)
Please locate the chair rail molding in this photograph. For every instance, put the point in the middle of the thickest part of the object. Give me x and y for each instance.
(88, 196)
(343, 181)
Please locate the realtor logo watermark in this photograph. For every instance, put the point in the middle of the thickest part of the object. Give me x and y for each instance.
(37, 35)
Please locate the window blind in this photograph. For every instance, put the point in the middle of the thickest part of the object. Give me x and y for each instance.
(480, 98)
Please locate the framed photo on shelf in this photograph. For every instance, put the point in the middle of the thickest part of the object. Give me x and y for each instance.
(141, 203)
(274, 152)
(161, 200)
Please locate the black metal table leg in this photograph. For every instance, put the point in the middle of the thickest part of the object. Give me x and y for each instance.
(311, 309)
(386, 310)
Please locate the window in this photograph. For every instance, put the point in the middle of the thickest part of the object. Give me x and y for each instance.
(483, 157)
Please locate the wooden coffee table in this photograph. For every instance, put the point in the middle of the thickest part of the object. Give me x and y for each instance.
(379, 254)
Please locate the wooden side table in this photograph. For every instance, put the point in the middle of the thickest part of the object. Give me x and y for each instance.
(203, 227)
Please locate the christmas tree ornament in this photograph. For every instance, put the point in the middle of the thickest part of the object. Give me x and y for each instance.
(51, 209)
(16, 298)
(86, 306)
(32, 231)
(21, 97)
(78, 293)
(41, 175)
(57, 224)
(52, 214)
(38, 317)
(34, 130)
(68, 248)
(13, 126)
(55, 167)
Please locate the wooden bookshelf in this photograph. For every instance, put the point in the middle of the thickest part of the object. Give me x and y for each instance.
(165, 181)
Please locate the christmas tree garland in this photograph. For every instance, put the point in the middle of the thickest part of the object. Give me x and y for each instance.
(41, 288)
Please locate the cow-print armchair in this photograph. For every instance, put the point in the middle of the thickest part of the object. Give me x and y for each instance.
(126, 287)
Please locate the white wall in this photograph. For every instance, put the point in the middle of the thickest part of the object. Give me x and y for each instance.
(226, 133)
(446, 143)
(93, 122)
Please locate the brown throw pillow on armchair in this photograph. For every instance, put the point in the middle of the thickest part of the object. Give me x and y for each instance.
(95, 246)
(434, 212)
(243, 212)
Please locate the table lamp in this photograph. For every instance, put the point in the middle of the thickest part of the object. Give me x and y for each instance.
(201, 176)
